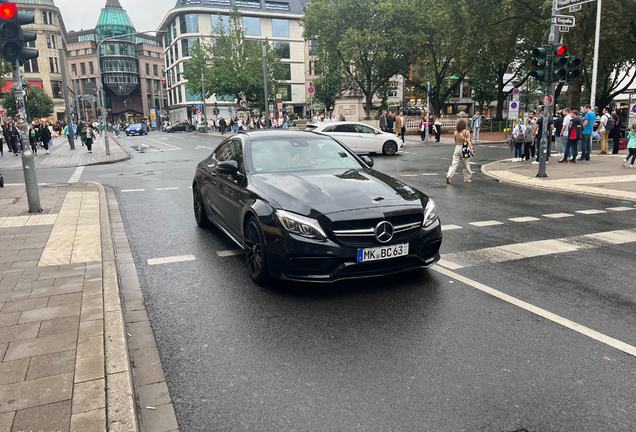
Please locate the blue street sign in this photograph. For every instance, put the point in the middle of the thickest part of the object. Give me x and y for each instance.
(311, 90)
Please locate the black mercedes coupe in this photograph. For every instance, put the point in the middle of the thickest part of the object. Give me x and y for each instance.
(306, 208)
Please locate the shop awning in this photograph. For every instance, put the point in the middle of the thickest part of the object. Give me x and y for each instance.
(9, 84)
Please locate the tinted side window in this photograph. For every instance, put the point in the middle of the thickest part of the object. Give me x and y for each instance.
(364, 129)
(345, 128)
(329, 129)
(231, 150)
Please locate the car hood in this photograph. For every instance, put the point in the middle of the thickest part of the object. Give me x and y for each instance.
(328, 191)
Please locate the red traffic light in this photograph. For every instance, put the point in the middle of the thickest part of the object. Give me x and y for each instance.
(8, 10)
(561, 50)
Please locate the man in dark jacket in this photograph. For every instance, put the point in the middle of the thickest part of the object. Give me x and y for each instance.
(383, 123)
(390, 120)
(575, 132)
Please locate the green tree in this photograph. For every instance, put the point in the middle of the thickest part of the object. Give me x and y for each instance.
(370, 38)
(233, 64)
(40, 104)
(329, 81)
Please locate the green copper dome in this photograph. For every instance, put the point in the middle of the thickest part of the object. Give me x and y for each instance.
(113, 21)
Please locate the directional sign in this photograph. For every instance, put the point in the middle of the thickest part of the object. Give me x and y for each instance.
(564, 29)
(562, 4)
(575, 8)
(311, 90)
(565, 20)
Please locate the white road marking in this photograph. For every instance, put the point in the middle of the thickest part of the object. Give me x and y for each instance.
(170, 188)
(497, 146)
(429, 174)
(133, 190)
(589, 212)
(171, 259)
(586, 331)
(408, 175)
(557, 215)
(621, 208)
(163, 143)
(517, 251)
(450, 227)
(76, 175)
(524, 219)
(227, 253)
(486, 223)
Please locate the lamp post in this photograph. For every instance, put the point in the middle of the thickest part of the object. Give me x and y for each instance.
(102, 98)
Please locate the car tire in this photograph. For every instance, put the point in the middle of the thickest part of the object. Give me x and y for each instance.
(255, 252)
(199, 211)
(389, 148)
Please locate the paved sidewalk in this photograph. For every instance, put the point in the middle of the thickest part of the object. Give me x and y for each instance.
(62, 156)
(602, 176)
(64, 362)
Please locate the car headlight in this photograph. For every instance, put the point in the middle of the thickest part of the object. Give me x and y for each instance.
(300, 225)
(430, 213)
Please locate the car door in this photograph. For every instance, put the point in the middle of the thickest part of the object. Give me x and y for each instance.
(367, 139)
(231, 191)
(346, 133)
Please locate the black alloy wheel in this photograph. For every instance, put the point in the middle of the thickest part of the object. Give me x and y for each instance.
(255, 254)
(389, 148)
(199, 212)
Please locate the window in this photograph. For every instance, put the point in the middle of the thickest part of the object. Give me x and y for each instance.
(230, 151)
(287, 68)
(155, 85)
(192, 97)
(178, 73)
(147, 69)
(393, 93)
(285, 92)
(364, 129)
(87, 50)
(189, 23)
(313, 46)
(56, 86)
(165, 101)
(74, 69)
(48, 41)
(280, 28)
(78, 52)
(284, 6)
(176, 51)
(70, 53)
(51, 64)
(174, 31)
(31, 66)
(156, 55)
(147, 53)
(56, 68)
(220, 20)
(155, 70)
(51, 18)
(91, 70)
(169, 99)
(186, 45)
(311, 67)
(45, 17)
(148, 85)
(83, 68)
(281, 49)
(347, 128)
(252, 26)
(180, 97)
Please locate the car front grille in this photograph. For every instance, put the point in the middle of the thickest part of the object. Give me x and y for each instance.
(361, 233)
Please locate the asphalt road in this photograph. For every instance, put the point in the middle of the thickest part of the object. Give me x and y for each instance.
(421, 351)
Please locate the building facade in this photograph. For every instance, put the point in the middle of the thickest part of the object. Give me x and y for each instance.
(45, 71)
(131, 66)
(192, 20)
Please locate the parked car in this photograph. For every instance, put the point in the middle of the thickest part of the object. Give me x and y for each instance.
(136, 128)
(360, 137)
(304, 207)
(181, 126)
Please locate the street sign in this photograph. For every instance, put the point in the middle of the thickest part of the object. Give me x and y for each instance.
(311, 90)
(565, 20)
(198, 106)
(562, 4)
(550, 101)
(271, 107)
(516, 91)
(279, 105)
(513, 110)
(575, 8)
(564, 29)
(90, 88)
(279, 96)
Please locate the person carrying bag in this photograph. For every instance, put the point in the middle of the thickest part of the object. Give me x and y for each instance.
(463, 151)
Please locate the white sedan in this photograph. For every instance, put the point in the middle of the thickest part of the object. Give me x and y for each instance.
(360, 137)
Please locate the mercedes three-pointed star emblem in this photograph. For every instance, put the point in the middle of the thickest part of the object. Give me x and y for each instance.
(384, 231)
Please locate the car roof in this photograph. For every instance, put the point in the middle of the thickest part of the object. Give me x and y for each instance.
(332, 123)
(269, 133)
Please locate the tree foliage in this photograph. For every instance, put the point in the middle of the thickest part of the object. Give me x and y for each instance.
(329, 82)
(40, 103)
(232, 64)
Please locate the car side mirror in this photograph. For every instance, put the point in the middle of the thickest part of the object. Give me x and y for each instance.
(228, 167)
(377, 132)
(368, 160)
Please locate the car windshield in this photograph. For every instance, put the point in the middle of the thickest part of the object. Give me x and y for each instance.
(135, 125)
(298, 154)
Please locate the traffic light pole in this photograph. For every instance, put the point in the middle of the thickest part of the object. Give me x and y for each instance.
(428, 111)
(28, 160)
(205, 118)
(545, 129)
(69, 119)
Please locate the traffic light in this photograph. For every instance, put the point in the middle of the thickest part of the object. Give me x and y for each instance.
(164, 84)
(572, 72)
(432, 93)
(540, 64)
(12, 37)
(559, 61)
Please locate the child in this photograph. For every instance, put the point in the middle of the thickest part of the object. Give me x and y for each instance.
(631, 147)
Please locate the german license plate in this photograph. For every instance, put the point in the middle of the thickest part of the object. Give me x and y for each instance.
(383, 252)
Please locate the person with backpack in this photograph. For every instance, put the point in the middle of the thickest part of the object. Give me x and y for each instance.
(519, 134)
(605, 126)
(615, 133)
(631, 147)
(575, 133)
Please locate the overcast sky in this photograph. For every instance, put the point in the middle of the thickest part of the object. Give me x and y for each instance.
(83, 14)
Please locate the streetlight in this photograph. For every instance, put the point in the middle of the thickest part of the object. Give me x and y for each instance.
(102, 99)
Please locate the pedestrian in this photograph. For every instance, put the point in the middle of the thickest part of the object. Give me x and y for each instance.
(431, 127)
(390, 121)
(438, 128)
(33, 139)
(316, 118)
(45, 136)
(83, 132)
(342, 117)
(423, 126)
(383, 123)
(586, 140)
(222, 126)
(631, 147)
(89, 135)
(575, 132)
(538, 131)
(615, 133)
(563, 132)
(101, 128)
(462, 135)
(475, 125)
(519, 134)
(604, 130)
(117, 133)
(400, 125)
(2, 133)
(12, 138)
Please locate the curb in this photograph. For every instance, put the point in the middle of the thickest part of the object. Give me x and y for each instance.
(148, 398)
(120, 402)
(125, 158)
(554, 188)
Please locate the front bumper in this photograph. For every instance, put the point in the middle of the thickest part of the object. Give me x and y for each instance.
(297, 258)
